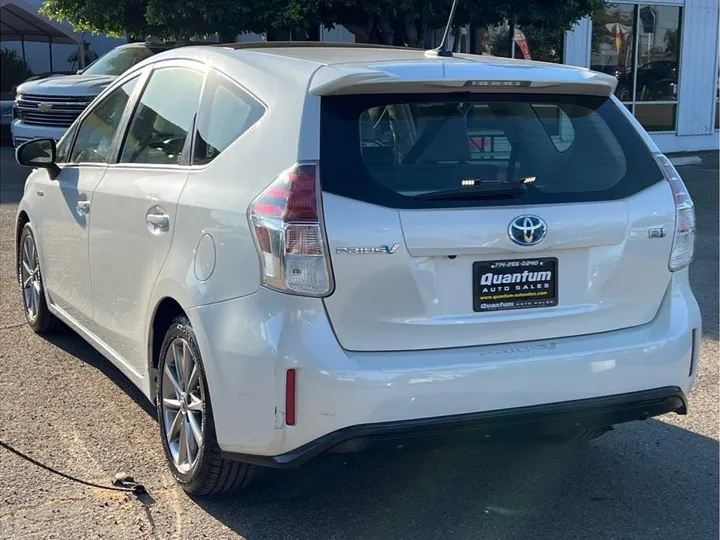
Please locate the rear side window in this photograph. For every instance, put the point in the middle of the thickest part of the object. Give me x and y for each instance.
(394, 150)
(227, 111)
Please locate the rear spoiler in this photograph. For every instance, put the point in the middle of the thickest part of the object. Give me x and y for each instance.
(453, 76)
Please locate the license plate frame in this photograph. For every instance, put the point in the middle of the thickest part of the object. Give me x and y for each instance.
(519, 291)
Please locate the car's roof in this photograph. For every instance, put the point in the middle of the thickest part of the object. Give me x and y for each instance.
(331, 53)
(280, 68)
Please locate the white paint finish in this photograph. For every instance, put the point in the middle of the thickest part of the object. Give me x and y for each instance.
(64, 236)
(337, 389)
(353, 77)
(577, 43)
(698, 68)
(204, 258)
(125, 257)
(216, 199)
(249, 336)
(611, 275)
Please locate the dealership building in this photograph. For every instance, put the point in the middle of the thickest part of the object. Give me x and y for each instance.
(665, 56)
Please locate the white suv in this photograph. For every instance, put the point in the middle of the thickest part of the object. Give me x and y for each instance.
(295, 249)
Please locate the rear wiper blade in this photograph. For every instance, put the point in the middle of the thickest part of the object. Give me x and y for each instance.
(485, 190)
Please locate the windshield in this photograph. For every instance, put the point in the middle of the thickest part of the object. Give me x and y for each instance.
(118, 61)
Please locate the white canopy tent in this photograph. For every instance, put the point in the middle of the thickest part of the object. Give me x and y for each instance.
(21, 22)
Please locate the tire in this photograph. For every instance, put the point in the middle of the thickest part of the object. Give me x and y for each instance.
(32, 291)
(198, 467)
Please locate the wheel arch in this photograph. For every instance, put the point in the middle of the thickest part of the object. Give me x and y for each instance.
(22, 220)
(166, 310)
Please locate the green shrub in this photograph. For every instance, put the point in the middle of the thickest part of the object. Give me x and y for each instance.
(13, 69)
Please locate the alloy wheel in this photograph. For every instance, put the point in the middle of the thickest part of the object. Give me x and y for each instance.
(30, 278)
(183, 405)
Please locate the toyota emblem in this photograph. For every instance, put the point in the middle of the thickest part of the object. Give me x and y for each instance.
(527, 230)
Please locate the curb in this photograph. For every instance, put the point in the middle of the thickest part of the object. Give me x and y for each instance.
(686, 160)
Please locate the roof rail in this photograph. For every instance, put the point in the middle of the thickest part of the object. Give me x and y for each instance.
(309, 44)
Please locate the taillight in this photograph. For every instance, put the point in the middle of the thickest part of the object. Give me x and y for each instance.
(288, 231)
(683, 247)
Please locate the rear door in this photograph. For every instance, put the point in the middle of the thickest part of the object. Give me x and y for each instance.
(468, 219)
(135, 206)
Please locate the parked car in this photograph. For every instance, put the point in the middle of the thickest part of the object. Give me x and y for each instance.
(47, 104)
(293, 249)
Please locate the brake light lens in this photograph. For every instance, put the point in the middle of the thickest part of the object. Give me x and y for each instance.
(683, 247)
(286, 223)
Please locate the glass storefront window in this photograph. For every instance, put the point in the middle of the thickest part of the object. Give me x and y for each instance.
(612, 46)
(529, 43)
(640, 45)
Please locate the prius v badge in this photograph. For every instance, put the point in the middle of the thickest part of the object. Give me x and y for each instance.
(379, 250)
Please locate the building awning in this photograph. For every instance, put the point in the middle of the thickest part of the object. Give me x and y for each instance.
(20, 21)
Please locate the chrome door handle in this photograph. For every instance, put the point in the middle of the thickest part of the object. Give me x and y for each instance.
(157, 220)
(83, 208)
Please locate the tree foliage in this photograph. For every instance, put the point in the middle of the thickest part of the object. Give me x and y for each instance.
(402, 22)
(13, 69)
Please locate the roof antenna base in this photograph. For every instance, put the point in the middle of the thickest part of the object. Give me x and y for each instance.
(438, 53)
(441, 51)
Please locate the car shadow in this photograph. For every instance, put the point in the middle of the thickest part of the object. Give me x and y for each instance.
(649, 480)
(73, 344)
(646, 480)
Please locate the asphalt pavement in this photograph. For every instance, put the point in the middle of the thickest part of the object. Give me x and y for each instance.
(64, 405)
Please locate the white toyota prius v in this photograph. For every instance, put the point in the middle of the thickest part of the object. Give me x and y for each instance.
(300, 248)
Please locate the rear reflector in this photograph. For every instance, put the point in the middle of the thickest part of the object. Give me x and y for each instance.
(693, 353)
(290, 379)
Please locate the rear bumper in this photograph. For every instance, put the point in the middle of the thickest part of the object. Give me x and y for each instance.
(523, 422)
(248, 344)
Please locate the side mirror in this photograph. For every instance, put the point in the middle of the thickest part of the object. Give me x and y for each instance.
(38, 153)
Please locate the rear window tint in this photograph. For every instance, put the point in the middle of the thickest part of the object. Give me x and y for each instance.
(388, 149)
(226, 112)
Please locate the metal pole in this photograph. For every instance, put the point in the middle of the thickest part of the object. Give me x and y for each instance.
(81, 52)
(51, 51)
(22, 45)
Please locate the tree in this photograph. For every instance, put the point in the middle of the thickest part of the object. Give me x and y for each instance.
(13, 69)
(399, 22)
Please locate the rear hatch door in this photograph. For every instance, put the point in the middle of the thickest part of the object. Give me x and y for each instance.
(461, 219)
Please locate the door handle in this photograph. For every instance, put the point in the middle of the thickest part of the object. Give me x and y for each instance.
(83, 208)
(157, 220)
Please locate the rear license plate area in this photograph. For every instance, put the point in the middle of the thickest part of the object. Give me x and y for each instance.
(515, 284)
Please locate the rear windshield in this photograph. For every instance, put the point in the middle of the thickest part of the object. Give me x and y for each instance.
(400, 150)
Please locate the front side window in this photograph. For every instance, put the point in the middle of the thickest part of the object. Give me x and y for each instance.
(62, 153)
(402, 151)
(163, 118)
(97, 130)
(226, 113)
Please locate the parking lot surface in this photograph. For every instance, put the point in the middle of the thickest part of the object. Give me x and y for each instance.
(63, 404)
